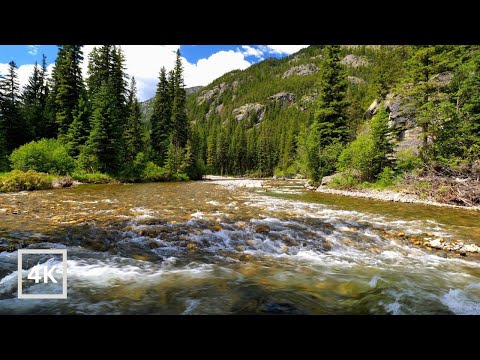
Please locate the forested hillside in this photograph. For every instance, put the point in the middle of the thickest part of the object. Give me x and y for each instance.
(371, 112)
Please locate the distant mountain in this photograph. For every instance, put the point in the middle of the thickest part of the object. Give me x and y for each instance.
(147, 106)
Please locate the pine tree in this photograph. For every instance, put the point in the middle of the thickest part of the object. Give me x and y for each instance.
(330, 124)
(161, 119)
(13, 124)
(79, 130)
(179, 113)
(133, 134)
(68, 84)
(330, 114)
(34, 103)
(106, 74)
(100, 152)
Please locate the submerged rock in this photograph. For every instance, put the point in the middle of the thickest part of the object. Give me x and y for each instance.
(262, 229)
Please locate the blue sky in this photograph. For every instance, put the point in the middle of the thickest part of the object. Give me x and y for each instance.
(202, 63)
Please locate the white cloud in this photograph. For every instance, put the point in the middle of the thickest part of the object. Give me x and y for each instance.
(207, 70)
(284, 49)
(144, 62)
(251, 51)
(33, 49)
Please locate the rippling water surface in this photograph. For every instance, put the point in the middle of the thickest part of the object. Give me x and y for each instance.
(200, 248)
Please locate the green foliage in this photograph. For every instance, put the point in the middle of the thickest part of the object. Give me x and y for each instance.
(358, 157)
(154, 173)
(16, 131)
(366, 156)
(67, 85)
(20, 181)
(407, 161)
(133, 172)
(386, 178)
(92, 178)
(343, 182)
(46, 155)
(330, 120)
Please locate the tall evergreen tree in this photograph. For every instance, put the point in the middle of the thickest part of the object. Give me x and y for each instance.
(68, 84)
(133, 134)
(13, 124)
(79, 129)
(100, 152)
(330, 123)
(179, 112)
(161, 119)
(34, 99)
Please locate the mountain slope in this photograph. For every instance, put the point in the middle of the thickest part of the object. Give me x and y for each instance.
(249, 121)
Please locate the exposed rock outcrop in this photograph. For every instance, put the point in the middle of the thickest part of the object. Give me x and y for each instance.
(355, 80)
(257, 110)
(285, 98)
(209, 96)
(401, 112)
(442, 80)
(372, 109)
(354, 61)
(301, 70)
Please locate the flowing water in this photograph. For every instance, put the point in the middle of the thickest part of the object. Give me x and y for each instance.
(202, 248)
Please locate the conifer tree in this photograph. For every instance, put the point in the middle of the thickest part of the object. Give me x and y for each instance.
(133, 134)
(161, 119)
(179, 112)
(16, 132)
(100, 152)
(68, 84)
(79, 130)
(34, 99)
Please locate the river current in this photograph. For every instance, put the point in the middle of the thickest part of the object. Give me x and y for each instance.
(203, 248)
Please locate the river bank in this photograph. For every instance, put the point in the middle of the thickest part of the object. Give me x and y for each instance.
(388, 195)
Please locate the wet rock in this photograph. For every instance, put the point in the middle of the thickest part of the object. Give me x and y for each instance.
(191, 246)
(262, 229)
(327, 245)
(62, 182)
(401, 234)
(436, 244)
(216, 228)
(239, 248)
(250, 242)
(153, 244)
(245, 257)
(143, 257)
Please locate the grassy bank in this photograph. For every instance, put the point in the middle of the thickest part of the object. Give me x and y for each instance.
(30, 180)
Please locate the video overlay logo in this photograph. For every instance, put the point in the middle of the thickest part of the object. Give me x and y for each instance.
(46, 274)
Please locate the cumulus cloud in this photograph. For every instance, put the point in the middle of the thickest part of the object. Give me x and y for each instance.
(284, 49)
(144, 63)
(251, 51)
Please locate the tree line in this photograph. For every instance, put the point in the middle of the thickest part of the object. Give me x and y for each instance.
(98, 119)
